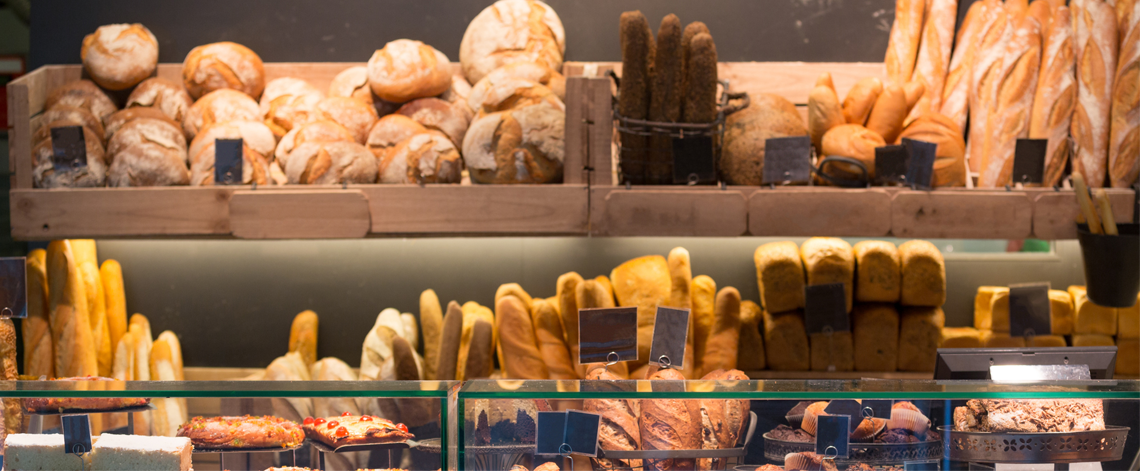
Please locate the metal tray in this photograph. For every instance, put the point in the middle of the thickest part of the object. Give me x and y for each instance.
(1044, 447)
(666, 454)
(427, 445)
(870, 453)
(323, 448)
(247, 450)
(142, 408)
(496, 457)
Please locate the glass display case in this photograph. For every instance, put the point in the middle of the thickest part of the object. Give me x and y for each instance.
(953, 424)
(230, 424)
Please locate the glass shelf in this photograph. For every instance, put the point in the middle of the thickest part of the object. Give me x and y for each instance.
(402, 389)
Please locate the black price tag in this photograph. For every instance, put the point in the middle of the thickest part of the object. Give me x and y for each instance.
(693, 161)
(227, 161)
(550, 432)
(670, 332)
(847, 407)
(1029, 160)
(890, 165)
(607, 335)
(1029, 309)
(68, 148)
(14, 287)
(831, 435)
(919, 162)
(825, 308)
(582, 432)
(878, 408)
(76, 434)
(928, 465)
(787, 159)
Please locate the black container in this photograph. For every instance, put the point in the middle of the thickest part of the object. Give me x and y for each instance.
(1112, 265)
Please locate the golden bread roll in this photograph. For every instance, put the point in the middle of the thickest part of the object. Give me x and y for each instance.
(824, 113)
(390, 131)
(288, 102)
(161, 94)
(221, 65)
(330, 163)
(355, 116)
(218, 107)
(512, 31)
(949, 156)
(619, 429)
(854, 141)
(889, 113)
(644, 283)
(405, 70)
(1046, 341)
(159, 131)
(861, 99)
(119, 56)
(522, 145)
(97, 314)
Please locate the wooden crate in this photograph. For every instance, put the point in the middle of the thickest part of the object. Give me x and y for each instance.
(275, 212)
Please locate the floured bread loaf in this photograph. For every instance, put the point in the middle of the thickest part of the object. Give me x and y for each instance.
(523, 145)
(82, 94)
(257, 150)
(329, 163)
(44, 173)
(390, 131)
(118, 119)
(355, 116)
(405, 70)
(428, 157)
(221, 65)
(288, 102)
(434, 113)
(161, 94)
(119, 56)
(512, 31)
(324, 130)
(148, 152)
(218, 107)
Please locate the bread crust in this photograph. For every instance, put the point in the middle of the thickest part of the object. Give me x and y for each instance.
(118, 56)
(405, 70)
(637, 46)
(222, 65)
(512, 31)
(906, 33)
(670, 424)
(242, 432)
(161, 94)
(82, 94)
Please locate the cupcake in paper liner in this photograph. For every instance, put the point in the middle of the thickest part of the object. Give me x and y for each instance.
(807, 461)
(910, 420)
(865, 431)
(811, 413)
(904, 405)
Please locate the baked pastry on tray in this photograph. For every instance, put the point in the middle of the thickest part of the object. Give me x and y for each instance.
(90, 404)
(242, 432)
(348, 429)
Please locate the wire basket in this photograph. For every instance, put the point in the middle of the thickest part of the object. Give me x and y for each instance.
(650, 160)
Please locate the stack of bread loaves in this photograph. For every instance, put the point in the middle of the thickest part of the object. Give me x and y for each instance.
(877, 277)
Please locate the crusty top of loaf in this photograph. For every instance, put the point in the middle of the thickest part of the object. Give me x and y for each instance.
(512, 31)
(223, 65)
(120, 54)
(252, 133)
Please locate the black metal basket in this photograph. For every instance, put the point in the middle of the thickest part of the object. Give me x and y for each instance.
(657, 166)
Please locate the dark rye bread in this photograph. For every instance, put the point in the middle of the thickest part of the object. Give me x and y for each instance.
(479, 353)
(691, 30)
(670, 424)
(665, 97)
(637, 51)
(769, 115)
(700, 96)
(619, 429)
(449, 343)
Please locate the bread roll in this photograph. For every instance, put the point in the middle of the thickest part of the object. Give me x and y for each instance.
(355, 116)
(830, 260)
(949, 156)
(330, 163)
(644, 283)
(72, 116)
(427, 157)
(460, 90)
(920, 330)
(220, 65)
(161, 94)
(289, 367)
(669, 424)
(120, 118)
(317, 131)
(548, 335)
(956, 88)
(724, 336)
(288, 102)
(875, 333)
(906, 33)
(780, 274)
(1011, 104)
(82, 94)
(449, 343)
(523, 145)
(618, 426)
(161, 132)
(390, 131)
(257, 150)
(1096, 46)
(861, 99)
(45, 175)
(1124, 133)
(434, 113)
(934, 56)
(39, 356)
(637, 51)
(700, 80)
(824, 113)
(528, 71)
(995, 33)
(119, 56)
(889, 112)
(786, 341)
(75, 354)
(511, 93)
(854, 141)
(923, 274)
(746, 132)
(567, 292)
(218, 107)
(512, 31)
(405, 70)
(1052, 112)
(750, 348)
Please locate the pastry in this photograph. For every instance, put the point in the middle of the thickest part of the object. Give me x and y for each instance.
(242, 432)
(354, 430)
(84, 404)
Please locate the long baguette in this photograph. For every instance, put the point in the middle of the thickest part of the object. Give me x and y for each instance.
(567, 289)
(39, 356)
(303, 336)
(1056, 91)
(140, 333)
(1094, 27)
(955, 90)
(934, 55)
(70, 323)
(518, 349)
(637, 46)
(168, 413)
(906, 33)
(1124, 134)
(724, 338)
(1013, 101)
(431, 323)
(122, 370)
(702, 319)
(111, 274)
(996, 33)
(548, 335)
(449, 341)
(97, 315)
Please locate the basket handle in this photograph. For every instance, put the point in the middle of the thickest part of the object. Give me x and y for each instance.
(862, 182)
(743, 101)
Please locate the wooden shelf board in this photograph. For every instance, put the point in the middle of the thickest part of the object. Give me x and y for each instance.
(1055, 212)
(687, 212)
(966, 214)
(814, 211)
(478, 209)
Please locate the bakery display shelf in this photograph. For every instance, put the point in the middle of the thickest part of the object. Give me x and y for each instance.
(870, 453)
(142, 408)
(229, 389)
(1049, 447)
(838, 375)
(274, 212)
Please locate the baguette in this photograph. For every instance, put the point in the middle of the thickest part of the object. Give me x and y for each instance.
(552, 347)
(303, 336)
(665, 96)
(450, 333)
(995, 33)
(949, 156)
(824, 79)
(592, 294)
(140, 368)
(513, 289)
(1094, 27)
(644, 283)
(957, 83)
(724, 337)
(934, 56)
(860, 99)
(701, 80)
(478, 361)
(824, 113)
(608, 287)
(701, 318)
(750, 349)
(111, 274)
(669, 424)
(124, 367)
(637, 46)
(411, 330)
(67, 307)
(169, 413)
(888, 114)
(39, 356)
(902, 48)
(97, 314)
(618, 428)
(431, 323)
(913, 91)
(1052, 113)
(290, 367)
(1012, 103)
(13, 415)
(681, 275)
(519, 356)
(175, 347)
(691, 31)
(85, 251)
(472, 312)
(567, 293)
(1124, 132)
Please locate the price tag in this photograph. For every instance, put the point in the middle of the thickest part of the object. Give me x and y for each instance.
(227, 161)
(831, 435)
(693, 161)
(928, 465)
(76, 434)
(1029, 160)
(670, 333)
(550, 432)
(847, 407)
(878, 408)
(582, 432)
(787, 159)
(890, 165)
(68, 148)
(1029, 309)
(919, 162)
(825, 308)
(607, 334)
(14, 287)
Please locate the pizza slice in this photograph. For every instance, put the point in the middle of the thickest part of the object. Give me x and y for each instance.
(349, 429)
(242, 432)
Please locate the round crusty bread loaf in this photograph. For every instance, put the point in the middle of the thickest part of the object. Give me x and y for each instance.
(355, 116)
(148, 164)
(117, 119)
(458, 91)
(219, 106)
(522, 145)
(317, 131)
(82, 94)
(405, 70)
(288, 102)
(527, 71)
(45, 175)
(510, 93)
(79, 116)
(769, 116)
(257, 151)
(162, 94)
(434, 113)
(331, 163)
(427, 157)
(223, 65)
(854, 141)
(950, 156)
(512, 31)
(160, 132)
(352, 83)
(389, 131)
(119, 56)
